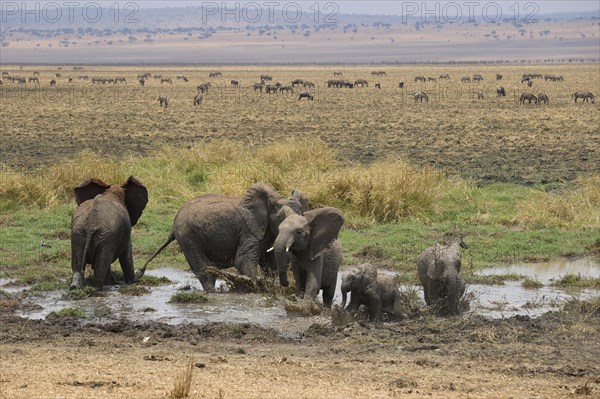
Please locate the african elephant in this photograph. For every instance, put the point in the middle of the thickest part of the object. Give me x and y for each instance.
(310, 242)
(221, 231)
(439, 272)
(376, 291)
(101, 228)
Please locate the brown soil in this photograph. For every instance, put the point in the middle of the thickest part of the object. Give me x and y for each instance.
(553, 356)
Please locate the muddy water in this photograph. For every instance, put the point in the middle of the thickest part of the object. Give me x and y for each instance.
(491, 301)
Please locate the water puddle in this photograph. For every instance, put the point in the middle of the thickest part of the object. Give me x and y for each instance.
(491, 301)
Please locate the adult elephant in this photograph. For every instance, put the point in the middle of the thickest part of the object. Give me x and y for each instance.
(101, 228)
(221, 231)
(310, 242)
(378, 292)
(439, 272)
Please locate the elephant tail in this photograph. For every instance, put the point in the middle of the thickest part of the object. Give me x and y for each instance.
(140, 273)
(86, 247)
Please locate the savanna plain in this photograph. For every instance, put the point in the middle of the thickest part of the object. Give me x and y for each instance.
(520, 182)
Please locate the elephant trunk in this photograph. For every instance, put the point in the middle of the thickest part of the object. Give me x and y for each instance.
(344, 296)
(453, 294)
(280, 249)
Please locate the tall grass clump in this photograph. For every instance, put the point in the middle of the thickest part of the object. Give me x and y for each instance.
(183, 383)
(50, 186)
(575, 208)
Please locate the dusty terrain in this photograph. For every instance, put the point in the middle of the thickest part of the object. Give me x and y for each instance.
(554, 356)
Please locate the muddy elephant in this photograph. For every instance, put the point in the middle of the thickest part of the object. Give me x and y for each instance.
(378, 292)
(310, 242)
(101, 228)
(439, 272)
(221, 231)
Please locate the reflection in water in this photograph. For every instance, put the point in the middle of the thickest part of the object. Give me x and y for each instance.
(492, 301)
(545, 272)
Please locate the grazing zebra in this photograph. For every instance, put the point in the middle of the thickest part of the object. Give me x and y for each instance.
(361, 82)
(297, 82)
(258, 87)
(543, 98)
(53, 82)
(498, 76)
(266, 77)
(501, 92)
(308, 84)
(166, 80)
(378, 85)
(401, 84)
(465, 79)
(198, 99)
(337, 73)
(420, 96)
(480, 95)
(527, 97)
(214, 74)
(203, 87)
(163, 100)
(420, 78)
(444, 76)
(307, 95)
(585, 95)
(234, 83)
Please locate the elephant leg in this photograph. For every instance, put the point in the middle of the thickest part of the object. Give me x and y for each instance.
(354, 303)
(108, 279)
(375, 307)
(198, 261)
(313, 282)
(126, 261)
(328, 294)
(101, 266)
(299, 277)
(77, 264)
(246, 258)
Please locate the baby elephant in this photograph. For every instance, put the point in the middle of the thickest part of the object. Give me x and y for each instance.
(439, 272)
(101, 228)
(379, 293)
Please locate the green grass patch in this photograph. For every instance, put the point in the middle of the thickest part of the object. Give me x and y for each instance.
(531, 283)
(51, 285)
(590, 306)
(81, 293)
(189, 297)
(65, 313)
(576, 281)
(153, 281)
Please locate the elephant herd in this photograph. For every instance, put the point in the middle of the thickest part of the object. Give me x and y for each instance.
(260, 229)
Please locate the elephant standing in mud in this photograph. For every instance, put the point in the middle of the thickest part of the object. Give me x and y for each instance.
(101, 228)
(439, 272)
(378, 292)
(221, 231)
(310, 242)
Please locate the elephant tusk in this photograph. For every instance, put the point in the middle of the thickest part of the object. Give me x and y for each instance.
(270, 249)
(287, 249)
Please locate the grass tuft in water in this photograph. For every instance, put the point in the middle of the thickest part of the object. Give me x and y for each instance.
(189, 297)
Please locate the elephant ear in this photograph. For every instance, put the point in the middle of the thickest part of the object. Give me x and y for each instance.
(325, 224)
(299, 196)
(255, 209)
(136, 198)
(89, 189)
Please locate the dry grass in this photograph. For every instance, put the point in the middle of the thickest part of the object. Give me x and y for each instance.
(183, 383)
(577, 207)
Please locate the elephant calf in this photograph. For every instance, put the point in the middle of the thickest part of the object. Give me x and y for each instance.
(378, 292)
(101, 228)
(439, 272)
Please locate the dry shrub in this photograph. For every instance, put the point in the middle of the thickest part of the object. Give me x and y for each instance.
(50, 186)
(578, 207)
(183, 383)
(386, 191)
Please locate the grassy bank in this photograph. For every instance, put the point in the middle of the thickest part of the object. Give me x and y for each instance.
(393, 209)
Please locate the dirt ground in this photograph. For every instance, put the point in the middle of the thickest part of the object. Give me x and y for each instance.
(553, 356)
